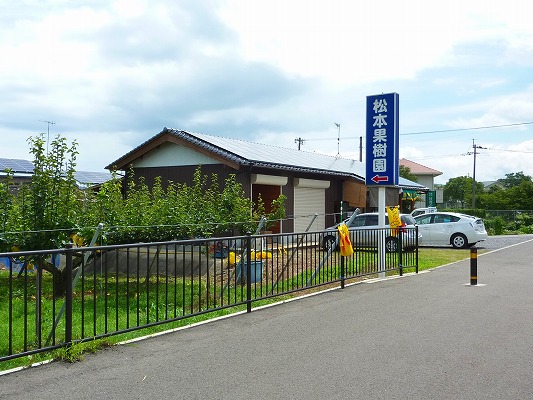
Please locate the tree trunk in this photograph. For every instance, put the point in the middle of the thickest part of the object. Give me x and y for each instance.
(58, 277)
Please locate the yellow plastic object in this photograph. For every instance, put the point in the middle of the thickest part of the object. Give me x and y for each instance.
(261, 255)
(394, 219)
(77, 240)
(232, 258)
(345, 243)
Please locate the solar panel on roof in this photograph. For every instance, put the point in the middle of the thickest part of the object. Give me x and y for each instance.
(25, 166)
(16, 165)
(92, 177)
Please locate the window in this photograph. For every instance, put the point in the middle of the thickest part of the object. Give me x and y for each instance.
(359, 221)
(444, 219)
(371, 220)
(426, 219)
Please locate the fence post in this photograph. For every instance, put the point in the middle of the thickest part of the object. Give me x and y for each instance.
(417, 244)
(248, 272)
(38, 296)
(68, 294)
(342, 272)
(400, 250)
(473, 266)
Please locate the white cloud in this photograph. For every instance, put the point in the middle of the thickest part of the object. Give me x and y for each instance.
(356, 42)
(118, 72)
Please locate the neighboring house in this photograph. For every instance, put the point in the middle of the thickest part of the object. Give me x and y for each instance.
(313, 183)
(425, 176)
(489, 185)
(23, 171)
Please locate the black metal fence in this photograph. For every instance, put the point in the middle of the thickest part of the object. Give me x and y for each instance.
(95, 292)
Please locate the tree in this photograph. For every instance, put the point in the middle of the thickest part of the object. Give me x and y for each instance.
(44, 213)
(6, 200)
(521, 196)
(516, 193)
(514, 179)
(53, 194)
(202, 209)
(495, 198)
(405, 172)
(50, 209)
(459, 189)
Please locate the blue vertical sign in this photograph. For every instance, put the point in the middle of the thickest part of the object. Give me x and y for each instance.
(382, 140)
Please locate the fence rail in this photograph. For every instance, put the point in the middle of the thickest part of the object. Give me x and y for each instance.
(53, 298)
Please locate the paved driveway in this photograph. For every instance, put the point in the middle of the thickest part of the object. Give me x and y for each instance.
(428, 336)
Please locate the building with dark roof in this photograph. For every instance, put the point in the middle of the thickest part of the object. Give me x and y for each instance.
(314, 184)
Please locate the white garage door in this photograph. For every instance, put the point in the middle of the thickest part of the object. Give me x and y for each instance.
(307, 202)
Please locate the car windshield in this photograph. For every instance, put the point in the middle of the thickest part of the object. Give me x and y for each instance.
(408, 220)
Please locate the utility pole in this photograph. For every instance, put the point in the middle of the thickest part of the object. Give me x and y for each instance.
(300, 141)
(48, 133)
(474, 173)
(338, 139)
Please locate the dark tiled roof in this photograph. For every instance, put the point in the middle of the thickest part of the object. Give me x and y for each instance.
(244, 152)
(264, 155)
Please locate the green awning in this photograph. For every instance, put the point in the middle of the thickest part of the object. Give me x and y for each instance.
(409, 194)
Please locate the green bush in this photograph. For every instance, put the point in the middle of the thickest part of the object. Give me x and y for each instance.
(495, 226)
(50, 209)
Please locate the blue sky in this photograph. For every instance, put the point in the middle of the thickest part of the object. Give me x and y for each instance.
(111, 74)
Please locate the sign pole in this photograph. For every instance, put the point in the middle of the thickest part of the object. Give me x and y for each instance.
(381, 226)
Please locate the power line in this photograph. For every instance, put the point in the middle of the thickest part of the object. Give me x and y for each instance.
(444, 130)
(467, 154)
(511, 151)
(469, 129)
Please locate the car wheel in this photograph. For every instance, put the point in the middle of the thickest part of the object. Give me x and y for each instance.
(459, 241)
(329, 242)
(391, 244)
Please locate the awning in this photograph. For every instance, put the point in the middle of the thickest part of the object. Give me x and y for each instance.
(409, 194)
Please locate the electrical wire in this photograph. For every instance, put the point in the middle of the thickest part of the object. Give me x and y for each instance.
(468, 153)
(440, 131)
(469, 129)
(510, 151)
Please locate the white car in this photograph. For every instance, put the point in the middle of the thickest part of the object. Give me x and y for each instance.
(420, 211)
(365, 233)
(445, 228)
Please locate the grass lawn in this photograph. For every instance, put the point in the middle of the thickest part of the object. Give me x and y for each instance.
(431, 257)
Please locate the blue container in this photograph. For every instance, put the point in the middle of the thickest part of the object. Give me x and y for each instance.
(11, 264)
(256, 273)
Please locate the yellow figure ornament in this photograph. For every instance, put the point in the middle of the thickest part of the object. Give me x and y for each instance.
(394, 219)
(344, 241)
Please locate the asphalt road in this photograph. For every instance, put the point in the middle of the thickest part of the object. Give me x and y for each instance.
(427, 336)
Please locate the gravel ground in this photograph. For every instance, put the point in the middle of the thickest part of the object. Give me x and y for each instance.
(498, 242)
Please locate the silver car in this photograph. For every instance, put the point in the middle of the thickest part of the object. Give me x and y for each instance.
(445, 228)
(365, 232)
